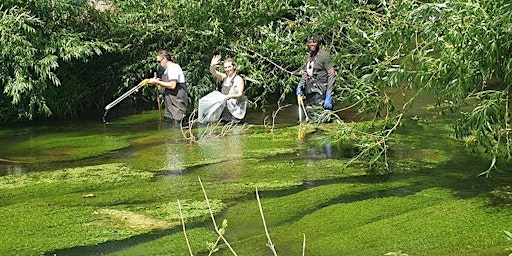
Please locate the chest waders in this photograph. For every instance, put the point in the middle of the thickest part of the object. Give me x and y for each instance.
(314, 85)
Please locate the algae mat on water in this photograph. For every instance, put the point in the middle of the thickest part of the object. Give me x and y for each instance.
(433, 204)
(46, 211)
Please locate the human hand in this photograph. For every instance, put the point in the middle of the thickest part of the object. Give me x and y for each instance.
(328, 101)
(215, 60)
(298, 91)
(153, 81)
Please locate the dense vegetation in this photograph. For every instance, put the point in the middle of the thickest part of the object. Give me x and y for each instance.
(63, 57)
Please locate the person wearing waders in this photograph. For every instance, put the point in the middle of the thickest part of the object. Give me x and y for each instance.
(173, 85)
(318, 77)
(230, 104)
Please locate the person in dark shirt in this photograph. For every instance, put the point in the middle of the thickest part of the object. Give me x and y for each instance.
(317, 81)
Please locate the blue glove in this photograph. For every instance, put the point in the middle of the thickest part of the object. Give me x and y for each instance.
(298, 91)
(328, 101)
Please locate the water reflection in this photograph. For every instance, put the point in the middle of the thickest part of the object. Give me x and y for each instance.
(13, 170)
(224, 151)
(328, 148)
(323, 151)
(173, 160)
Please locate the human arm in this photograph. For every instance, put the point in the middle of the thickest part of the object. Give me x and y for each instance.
(169, 84)
(172, 77)
(331, 79)
(213, 67)
(300, 86)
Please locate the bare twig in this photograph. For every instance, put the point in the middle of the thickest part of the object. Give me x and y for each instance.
(10, 161)
(213, 219)
(274, 115)
(351, 106)
(184, 231)
(506, 118)
(187, 131)
(209, 131)
(304, 244)
(270, 244)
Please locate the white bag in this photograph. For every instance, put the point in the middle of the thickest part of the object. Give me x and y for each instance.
(211, 107)
(237, 107)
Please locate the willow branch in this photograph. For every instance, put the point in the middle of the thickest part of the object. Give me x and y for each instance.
(267, 59)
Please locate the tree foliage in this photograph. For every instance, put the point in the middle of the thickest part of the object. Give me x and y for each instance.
(64, 57)
(37, 37)
(459, 51)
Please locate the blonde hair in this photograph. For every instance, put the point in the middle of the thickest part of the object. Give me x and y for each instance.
(233, 62)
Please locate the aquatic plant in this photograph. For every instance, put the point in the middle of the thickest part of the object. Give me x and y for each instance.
(429, 205)
(220, 231)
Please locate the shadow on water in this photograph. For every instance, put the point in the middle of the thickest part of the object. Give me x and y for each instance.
(462, 183)
(113, 246)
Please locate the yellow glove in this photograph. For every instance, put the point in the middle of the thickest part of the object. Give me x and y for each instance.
(144, 82)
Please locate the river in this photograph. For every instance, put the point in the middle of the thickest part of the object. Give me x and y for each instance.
(93, 188)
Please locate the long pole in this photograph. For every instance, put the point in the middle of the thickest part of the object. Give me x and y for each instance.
(299, 99)
(158, 100)
(302, 109)
(126, 94)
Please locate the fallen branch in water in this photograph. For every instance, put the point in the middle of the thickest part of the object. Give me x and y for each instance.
(211, 130)
(10, 161)
(187, 131)
(220, 231)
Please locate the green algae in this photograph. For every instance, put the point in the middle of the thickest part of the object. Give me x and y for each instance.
(40, 208)
(430, 222)
(62, 147)
(144, 117)
(432, 204)
(173, 244)
(91, 175)
(416, 224)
